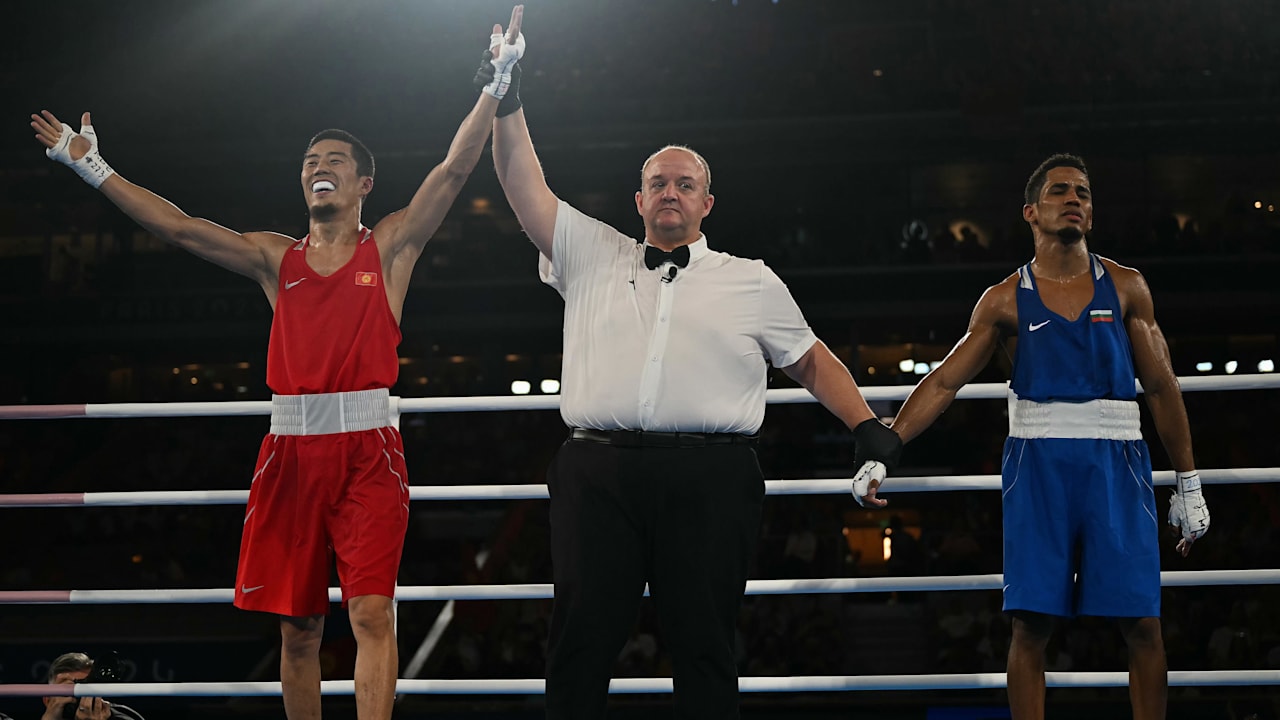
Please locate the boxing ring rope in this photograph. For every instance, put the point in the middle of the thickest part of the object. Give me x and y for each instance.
(489, 403)
(543, 591)
(799, 683)
(824, 486)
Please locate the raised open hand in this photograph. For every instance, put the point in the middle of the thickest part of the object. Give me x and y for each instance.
(512, 36)
(49, 133)
(76, 150)
(499, 71)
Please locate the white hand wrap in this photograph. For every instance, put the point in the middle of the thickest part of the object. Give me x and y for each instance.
(1187, 509)
(92, 168)
(508, 55)
(871, 470)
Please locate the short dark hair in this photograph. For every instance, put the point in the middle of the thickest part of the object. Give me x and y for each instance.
(69, 662)
(1036, 183)
(363, 158)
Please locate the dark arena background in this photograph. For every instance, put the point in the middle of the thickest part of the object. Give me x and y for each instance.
(872, 153)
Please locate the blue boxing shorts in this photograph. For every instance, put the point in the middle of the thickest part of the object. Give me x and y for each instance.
(1081, 530)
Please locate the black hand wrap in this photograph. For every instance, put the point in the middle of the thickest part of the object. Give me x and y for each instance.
(876, 441)
(509, 102)
(484, 75)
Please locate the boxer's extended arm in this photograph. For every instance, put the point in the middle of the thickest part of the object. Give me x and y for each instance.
(248, 254)
(996, 309)
(405, 233)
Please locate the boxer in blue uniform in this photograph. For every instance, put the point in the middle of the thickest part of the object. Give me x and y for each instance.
(1080, 518)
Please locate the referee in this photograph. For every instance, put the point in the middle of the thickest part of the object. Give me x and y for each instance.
(667, 343)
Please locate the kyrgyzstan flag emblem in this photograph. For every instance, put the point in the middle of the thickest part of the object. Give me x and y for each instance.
(367, 279)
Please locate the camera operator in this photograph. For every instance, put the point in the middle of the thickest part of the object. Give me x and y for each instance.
(77, 667)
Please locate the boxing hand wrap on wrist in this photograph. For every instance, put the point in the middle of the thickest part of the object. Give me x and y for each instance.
(508, 54)
(1187, 509)
(91, 168)
(873, 440)
(510, 102)
(498, 88)
(876, 451)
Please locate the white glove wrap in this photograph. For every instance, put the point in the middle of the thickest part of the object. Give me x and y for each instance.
(508, 55)
(1187, 509)
(91, 168)
(871, 470)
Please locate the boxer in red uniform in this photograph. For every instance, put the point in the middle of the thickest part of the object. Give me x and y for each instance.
(330, 479)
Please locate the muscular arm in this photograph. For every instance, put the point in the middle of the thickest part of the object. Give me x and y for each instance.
(828, 380)
(1155, 368)
(403, 235)
(522, 180)
(406, 231)
(254, 255)
(996, 308)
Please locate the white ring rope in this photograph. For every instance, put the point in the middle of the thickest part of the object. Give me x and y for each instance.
(811, 683)
(824, 486)
(543, 591)
(974, 391)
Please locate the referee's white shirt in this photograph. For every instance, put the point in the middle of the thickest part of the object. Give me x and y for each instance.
(642, 353)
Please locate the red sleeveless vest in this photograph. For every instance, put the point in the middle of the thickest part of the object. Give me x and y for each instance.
(332, 333)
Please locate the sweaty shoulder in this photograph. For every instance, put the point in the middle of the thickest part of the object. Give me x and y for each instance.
(998, 305)
(1008, 285)
(1130, 285)
(1003, 293)
(1120, 273)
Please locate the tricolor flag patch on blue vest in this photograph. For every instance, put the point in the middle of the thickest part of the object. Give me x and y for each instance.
(1101, 316)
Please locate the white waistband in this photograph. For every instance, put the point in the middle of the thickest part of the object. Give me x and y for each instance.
(1096, 419)
(328, 413)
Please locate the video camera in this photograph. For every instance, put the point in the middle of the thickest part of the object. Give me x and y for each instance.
(105, 669)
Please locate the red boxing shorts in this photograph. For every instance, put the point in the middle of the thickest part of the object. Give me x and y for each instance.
(315, 497)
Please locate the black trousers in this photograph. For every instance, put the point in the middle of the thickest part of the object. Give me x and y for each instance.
(685, 520)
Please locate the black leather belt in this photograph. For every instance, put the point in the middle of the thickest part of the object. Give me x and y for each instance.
(646, 438)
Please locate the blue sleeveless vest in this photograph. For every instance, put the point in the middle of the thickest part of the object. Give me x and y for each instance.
(1072, 361)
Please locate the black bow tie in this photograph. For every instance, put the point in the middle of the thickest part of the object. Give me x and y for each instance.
(654, 257)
